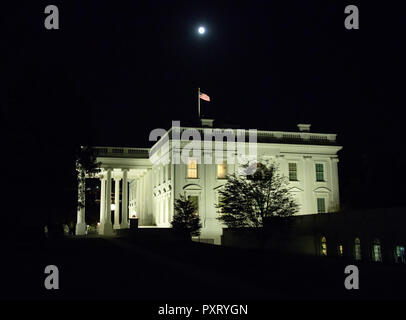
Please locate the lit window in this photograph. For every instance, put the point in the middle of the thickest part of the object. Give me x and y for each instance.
(222, 170)
(376, 251)
(321, 205)
(323, 246)
(319, 172)
(292, 172)
(340, 250)
(400, 254)
(357, 249)
(195, 202)
(192, 169)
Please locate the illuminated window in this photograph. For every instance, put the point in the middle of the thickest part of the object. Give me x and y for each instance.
(319, 172)
(192, 169)
(195, 201)
(376, 251)
(222, 170)
(323, 246)
(340, 250)
(400, 254)
(292, 171)
(357, 249)
(321, 205)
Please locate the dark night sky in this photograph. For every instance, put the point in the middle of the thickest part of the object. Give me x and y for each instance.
(118, 69)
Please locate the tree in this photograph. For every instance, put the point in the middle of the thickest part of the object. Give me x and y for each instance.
(185, 220)
(252, 199)
(86, 166)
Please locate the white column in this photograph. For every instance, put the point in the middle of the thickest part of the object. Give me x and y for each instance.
(161, 210)
(80, 222)
(335, 185)
(143, 190)
(102, 198)
(158, 216)
(141, 199)
(124, 220)
(167, 209)
(137, 198)
(308, 184)
(117, 203)
(106, 227)
(170, 207)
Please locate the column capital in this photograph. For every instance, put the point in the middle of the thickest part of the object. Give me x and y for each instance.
(125, 169)
(117, 178)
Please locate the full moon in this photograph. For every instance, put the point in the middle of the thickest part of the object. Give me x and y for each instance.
(201, 30)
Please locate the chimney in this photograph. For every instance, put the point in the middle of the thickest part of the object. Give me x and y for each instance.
(208, 123)
(304, 127)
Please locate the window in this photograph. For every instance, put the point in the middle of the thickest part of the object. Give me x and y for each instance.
(357, 249)
(192, 169)
(195, 201)
(222, 170)
(323, 246)
(321, 205)
(376, 251)
(292, 171)
(400, 254)
(340, 250)
(319, 172)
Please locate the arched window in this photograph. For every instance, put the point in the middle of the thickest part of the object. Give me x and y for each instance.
(340, 250)
(323, 246)
(400, 256)
(376, 251)
(357, 249)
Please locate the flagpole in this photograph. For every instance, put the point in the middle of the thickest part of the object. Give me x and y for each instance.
(198, 101)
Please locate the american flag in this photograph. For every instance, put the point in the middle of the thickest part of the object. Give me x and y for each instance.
(204, 96)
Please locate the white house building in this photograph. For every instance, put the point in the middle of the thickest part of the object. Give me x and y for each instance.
(150, 179)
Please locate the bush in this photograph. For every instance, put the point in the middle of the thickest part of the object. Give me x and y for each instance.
(185, 220)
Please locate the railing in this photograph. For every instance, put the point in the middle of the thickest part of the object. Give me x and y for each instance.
(262, 136)
(122, 152)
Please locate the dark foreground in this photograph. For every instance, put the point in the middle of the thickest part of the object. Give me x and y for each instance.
(155, 268)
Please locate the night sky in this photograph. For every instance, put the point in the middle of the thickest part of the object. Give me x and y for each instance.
(115, 70)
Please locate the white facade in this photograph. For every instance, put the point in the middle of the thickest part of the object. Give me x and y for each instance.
(154, 182)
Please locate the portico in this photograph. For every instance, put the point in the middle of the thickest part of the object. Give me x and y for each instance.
(123, 176)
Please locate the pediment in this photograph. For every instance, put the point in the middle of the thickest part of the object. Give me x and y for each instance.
(295, 189)
(192, 186)
(322, 189)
